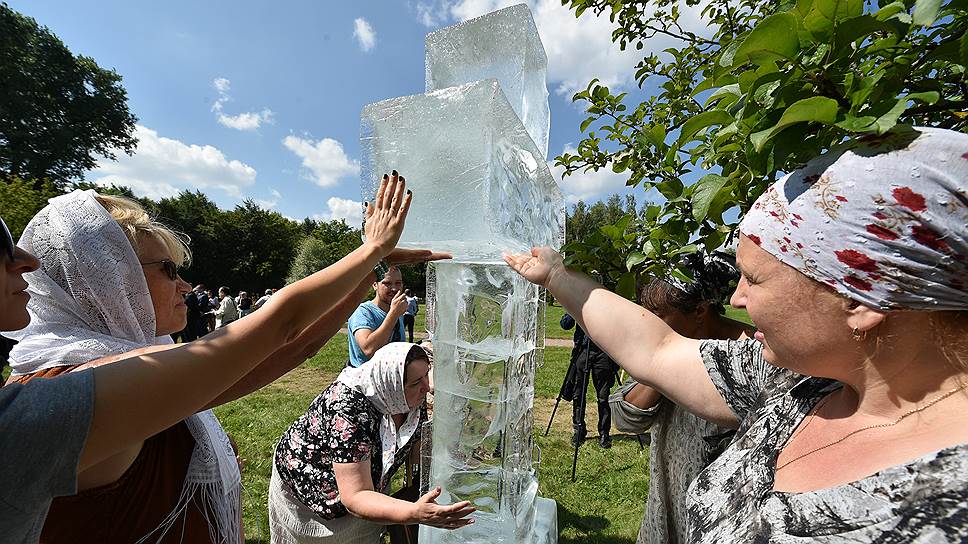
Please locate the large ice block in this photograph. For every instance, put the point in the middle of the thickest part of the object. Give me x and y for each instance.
(481, 186)
(503, 45)
(484, 319)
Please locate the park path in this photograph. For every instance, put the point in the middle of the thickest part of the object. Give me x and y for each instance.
(557, 342)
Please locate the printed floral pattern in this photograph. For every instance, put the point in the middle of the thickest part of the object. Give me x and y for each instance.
(887, 227)
(733, 499)
(340, 426)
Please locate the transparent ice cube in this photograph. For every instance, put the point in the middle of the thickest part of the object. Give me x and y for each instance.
(481, 187)
(502, 45)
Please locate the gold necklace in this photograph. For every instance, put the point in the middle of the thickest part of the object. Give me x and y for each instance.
(900, 418)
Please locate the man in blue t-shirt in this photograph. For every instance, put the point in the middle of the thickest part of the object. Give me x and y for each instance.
(378, 322)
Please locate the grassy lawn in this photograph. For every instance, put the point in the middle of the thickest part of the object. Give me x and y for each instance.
(604, 505)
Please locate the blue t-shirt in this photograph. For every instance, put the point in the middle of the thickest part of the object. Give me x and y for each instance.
(368, 316)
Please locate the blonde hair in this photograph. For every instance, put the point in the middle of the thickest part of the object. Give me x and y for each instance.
(135, 222)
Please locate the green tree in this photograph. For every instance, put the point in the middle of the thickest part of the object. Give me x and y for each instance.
(20, 200)
(58, 111)
(764, 87)
(327, 243)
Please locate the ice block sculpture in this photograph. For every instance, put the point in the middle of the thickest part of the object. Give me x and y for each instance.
(504, 45)
(482, 186)
(487, 344)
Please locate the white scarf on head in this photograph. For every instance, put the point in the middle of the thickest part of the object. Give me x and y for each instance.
(89, 299)
(381, 380)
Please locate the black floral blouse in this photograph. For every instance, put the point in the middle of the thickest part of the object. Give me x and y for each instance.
(924, 501)
(340, 426)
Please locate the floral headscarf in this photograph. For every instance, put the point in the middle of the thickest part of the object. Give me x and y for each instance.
(883, 220)
(381, 380)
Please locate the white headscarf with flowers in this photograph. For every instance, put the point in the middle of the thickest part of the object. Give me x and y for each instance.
(883, 220)
(381, 381)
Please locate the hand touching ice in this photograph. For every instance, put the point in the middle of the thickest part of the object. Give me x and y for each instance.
(386, 216)
(539, 267)
(428, 512)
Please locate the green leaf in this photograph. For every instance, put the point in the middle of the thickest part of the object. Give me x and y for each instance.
(701, 121)
(773, 38)
(704, 192)
(825, 15)
(963, 49)
(634, 259)
(626, 286)
(890, 10)
(691, 248)
(818, 109)
(925, 12)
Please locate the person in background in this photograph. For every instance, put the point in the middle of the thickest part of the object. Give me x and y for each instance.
(262, 300)
(204, 307)
(378, 322)
(332, 467)
(411, 315)
(227, 311)
(244, 303)
(588, 357)
(682, 444)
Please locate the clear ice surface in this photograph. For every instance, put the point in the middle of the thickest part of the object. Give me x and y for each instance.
(481, 186)
(503, 45)
(485, 355)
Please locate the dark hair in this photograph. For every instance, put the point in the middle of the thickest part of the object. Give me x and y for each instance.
(416, 353)
(713, 278)
(8, 243)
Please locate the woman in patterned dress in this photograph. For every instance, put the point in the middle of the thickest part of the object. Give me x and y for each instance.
(333, 465)
(851, 400)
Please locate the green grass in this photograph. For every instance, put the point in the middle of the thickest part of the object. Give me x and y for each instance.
(604, 505)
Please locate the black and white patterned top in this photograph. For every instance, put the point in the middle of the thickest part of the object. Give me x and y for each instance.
(340, 426)
(924, 501)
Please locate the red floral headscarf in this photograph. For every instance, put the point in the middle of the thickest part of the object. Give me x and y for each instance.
(883, 220)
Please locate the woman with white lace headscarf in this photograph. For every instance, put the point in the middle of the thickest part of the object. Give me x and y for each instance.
(107, 289)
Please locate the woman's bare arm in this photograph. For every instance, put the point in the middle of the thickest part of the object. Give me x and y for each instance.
(150, 392)
(639, 341)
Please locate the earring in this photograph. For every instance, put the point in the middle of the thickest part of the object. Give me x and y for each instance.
(858, 334)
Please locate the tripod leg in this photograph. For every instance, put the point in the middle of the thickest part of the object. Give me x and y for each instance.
(641, 445)
(552, 418)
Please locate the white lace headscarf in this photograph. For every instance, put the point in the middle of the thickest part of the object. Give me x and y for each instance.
(381, 380)
(89, 299)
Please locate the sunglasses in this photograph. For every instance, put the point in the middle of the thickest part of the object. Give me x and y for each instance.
(170, 268)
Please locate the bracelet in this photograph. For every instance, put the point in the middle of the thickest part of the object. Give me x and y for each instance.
(381, 270)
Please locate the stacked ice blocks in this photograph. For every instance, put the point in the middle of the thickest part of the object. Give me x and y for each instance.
(503, 45)
(481, 186)
(488, 340)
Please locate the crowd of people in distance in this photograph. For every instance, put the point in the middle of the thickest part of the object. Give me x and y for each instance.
(838, 416)
(207, 312)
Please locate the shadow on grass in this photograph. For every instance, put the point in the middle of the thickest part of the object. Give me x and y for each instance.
(585, 529)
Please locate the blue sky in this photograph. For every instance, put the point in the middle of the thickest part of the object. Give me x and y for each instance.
(255, 100)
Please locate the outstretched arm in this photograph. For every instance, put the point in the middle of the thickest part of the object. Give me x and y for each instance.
(356, 493)
(142, 396)
(640, 342)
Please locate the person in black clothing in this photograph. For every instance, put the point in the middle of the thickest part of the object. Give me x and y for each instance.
(586, 356)
(190, 332)
(202, 307)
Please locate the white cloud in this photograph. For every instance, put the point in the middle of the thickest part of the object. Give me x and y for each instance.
(244, 121)
(364, 34)
(162, 167)
(325, 160)
(579, 48)
(269, 203)
(588, 185)
(348, 210)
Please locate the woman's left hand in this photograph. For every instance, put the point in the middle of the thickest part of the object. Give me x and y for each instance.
(428, 512)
